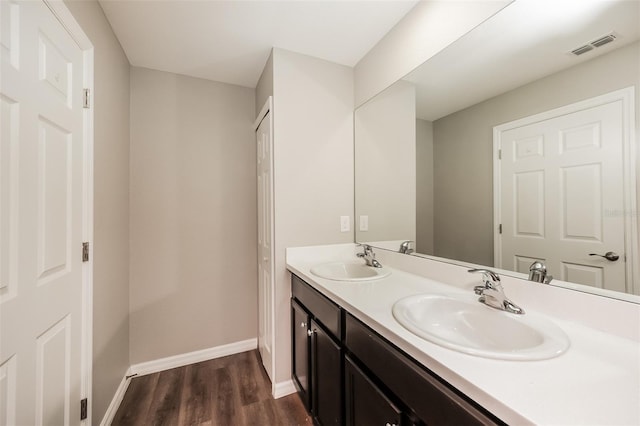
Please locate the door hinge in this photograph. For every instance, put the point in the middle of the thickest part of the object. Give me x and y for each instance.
(85, 252)
(85, 98)
(83, 409)
(500, 229)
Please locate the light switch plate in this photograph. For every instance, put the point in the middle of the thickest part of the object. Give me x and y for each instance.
(345, 224)
(364, 223)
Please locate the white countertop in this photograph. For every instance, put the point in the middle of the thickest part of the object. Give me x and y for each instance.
(596, 381)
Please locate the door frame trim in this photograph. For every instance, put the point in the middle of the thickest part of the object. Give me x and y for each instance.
(627, 97)
(68, 21)
(266, 109)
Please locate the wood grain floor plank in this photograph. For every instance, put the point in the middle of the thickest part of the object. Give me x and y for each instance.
(195, 406)
(244, 374)
(225, 402)
(165, 407)
(260, 375)
(291, 411)
(137, 401)
(261, 413)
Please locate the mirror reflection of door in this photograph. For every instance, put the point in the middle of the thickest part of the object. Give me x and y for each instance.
(561, 192)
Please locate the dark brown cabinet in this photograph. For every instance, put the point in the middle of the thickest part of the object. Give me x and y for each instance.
(366, 403)
(317, 353)
(346, 373)
(300, 361)
(424, 398)
(326, 369)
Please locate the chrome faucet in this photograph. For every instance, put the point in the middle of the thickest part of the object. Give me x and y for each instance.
(538, 273)
(405, 247)
(369, 256)
(492, 294)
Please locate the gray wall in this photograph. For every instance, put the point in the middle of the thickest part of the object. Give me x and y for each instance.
(424, 186)
(264, 88)
(463, 144)
(193, 215)
(111, 206)
(313, 167)
(385, 160)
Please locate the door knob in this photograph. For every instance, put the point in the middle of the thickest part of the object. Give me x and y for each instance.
(608, 255)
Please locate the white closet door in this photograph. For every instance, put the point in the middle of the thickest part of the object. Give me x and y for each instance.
(265, 243)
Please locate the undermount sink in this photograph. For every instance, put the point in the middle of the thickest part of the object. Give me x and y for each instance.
(476, 329)
(341, 271)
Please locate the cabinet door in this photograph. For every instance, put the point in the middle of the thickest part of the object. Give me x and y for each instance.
(300, 362)
(326, 380)
(366, 404)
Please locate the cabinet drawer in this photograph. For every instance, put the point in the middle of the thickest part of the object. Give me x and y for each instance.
(432, 400)
(324, 310)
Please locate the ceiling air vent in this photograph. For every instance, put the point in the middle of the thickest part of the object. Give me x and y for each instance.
(582, 49)
(601, 41)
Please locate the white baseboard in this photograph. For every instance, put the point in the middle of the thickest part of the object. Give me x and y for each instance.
(281, 389)
(116, 401)
(157, 365)
(181, 360)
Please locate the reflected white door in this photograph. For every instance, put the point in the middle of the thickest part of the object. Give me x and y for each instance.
(562, 196)
(265, 243)
(41, 218)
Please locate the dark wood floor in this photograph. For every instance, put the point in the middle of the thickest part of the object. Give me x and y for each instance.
(233, 390)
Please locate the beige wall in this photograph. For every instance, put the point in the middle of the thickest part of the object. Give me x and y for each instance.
(427, 29)
(111, 206)
(193, 215)
(385, 147)
(424, 187)
(313, 162)
(463, 144)
(264, 89)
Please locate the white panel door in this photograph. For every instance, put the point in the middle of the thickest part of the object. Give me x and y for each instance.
(265, 243)
(561, 187)
(41, 218)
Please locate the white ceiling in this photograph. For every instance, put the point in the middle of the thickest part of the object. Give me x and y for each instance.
(230, 40)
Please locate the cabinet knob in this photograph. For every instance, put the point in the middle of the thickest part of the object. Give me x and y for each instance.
(310, 332)
(390, 424)
(303, 324)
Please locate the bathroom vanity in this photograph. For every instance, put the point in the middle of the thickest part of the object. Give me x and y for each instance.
(353, 363)
(379, 384)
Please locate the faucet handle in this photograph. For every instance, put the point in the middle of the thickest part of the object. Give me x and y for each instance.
(492, 293)
(489, 277)
(405, 247)
(367, 250)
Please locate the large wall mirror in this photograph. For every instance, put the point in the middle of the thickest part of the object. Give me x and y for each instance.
(517, 143)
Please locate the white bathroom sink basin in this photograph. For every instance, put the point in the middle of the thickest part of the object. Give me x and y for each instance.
(476, 329)
(341, 271)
